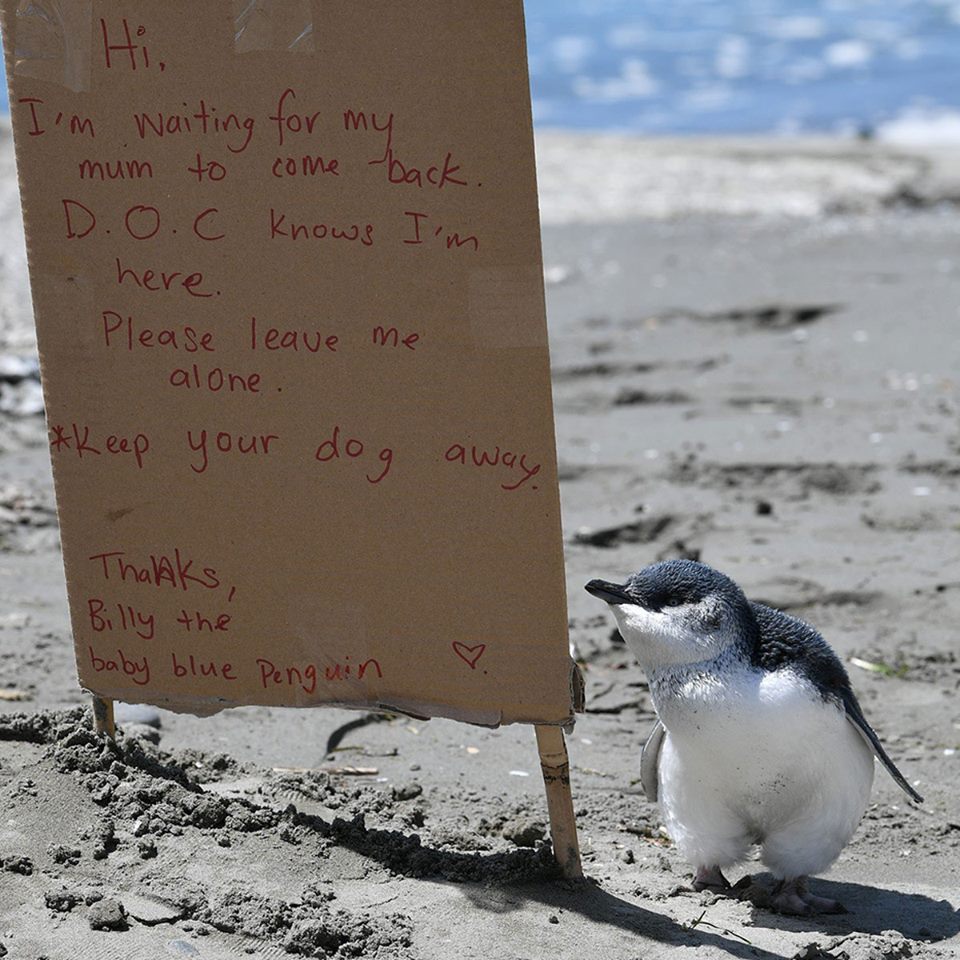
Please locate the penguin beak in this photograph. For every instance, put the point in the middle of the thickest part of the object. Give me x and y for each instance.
(612, 593)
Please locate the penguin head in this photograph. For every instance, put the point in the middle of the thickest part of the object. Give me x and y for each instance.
(677, 612)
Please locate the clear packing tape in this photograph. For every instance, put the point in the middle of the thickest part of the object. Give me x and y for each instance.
(53, 41)
(269, 25)
(54, 38)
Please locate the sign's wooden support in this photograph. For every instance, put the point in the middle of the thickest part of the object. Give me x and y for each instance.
(556, 778)
(103, 717)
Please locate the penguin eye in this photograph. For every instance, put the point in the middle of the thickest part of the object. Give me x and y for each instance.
(672, 601)
(678, 600)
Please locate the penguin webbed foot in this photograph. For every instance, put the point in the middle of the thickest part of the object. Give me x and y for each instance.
(792, 898)
(710, 878)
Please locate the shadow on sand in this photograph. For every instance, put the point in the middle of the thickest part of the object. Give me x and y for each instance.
(870, 910)
(505, 882)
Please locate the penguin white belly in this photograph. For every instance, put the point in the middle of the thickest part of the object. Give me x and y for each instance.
(760, 758)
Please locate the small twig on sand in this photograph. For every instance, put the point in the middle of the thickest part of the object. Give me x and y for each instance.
(700, 922)
(340, 771)
(878, 666)
(335, 738)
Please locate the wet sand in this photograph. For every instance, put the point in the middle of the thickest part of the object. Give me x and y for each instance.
(755, 356)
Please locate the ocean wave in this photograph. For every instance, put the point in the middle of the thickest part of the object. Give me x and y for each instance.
(740, 67)
(923, 126)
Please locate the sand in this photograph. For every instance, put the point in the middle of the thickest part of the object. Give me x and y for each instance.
(755, 352)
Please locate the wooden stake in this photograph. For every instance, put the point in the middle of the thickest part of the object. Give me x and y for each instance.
(556, 778)
(103, 717)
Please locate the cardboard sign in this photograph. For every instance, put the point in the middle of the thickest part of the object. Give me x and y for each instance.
(286, 269)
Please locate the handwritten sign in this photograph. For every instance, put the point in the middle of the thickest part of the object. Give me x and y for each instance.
(286, 270)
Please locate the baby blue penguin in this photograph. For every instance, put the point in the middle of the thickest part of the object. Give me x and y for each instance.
(759, 739)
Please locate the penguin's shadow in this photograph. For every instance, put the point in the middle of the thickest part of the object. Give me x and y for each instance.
(496, 882)
(870, 910)
(592, 902)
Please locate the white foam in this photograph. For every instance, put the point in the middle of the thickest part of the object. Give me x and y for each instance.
(846, 54)
(909, 48)
(634, 83)
(707, 98)
(570, 52)
(733, 57)
(795, 28)
(628, 35)
(922, 125)
(879, 31)
(804, 70)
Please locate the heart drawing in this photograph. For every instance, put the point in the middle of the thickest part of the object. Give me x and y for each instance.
(469, 655)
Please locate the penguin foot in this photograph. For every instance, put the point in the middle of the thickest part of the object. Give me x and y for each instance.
(824, 904)
(710, 878)
(791, 897)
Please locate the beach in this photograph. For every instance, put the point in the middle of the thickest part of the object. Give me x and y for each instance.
(755, 352)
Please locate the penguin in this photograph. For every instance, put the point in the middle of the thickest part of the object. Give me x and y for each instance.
(759, 739)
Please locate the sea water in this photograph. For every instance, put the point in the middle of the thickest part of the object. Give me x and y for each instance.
(746, 66)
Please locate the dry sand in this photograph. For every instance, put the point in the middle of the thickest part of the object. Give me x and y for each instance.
(756, 350)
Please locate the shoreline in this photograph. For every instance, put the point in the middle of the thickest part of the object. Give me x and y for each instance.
(598, 178)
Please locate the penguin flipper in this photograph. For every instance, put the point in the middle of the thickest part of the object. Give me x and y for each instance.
(856, 717)
(650, 761)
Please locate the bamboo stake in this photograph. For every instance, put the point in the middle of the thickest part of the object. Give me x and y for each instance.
(103, 717)
(556, 778)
